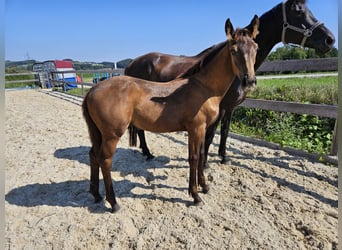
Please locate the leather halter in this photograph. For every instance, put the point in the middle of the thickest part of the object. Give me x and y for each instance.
(306, 32)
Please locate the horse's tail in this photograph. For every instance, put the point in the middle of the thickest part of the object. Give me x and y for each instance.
(94, 132)
(132, 135)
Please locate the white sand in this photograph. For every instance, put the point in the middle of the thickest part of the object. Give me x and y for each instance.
(262, 199)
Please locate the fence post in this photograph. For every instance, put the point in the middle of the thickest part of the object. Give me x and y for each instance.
(64, 84)
(82, 89)
(334, 144)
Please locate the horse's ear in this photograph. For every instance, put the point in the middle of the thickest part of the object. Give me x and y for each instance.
(253, 27)
(229, 29)
(294, 3)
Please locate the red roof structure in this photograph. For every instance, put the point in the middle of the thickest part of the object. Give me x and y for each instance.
(62, 64)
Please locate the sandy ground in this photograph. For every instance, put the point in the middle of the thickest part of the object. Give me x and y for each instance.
(261, 199)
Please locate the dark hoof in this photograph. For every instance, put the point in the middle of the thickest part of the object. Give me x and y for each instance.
(224, 160)
(198, 201)
(149, 157)
(205, 189)
(98, 198)
(206, 165)
(115, 208)
(199, 204)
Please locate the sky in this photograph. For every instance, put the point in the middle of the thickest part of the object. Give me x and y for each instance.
(113, 30)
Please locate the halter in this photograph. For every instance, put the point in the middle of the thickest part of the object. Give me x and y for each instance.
(306, 32)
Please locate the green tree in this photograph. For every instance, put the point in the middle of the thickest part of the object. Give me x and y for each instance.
(288, 52)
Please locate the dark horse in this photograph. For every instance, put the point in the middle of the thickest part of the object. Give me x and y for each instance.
(289, 22)
(113, 104)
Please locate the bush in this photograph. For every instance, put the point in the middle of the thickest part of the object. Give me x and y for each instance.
(309, 133)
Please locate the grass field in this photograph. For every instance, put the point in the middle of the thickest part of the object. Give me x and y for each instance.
(318, 90)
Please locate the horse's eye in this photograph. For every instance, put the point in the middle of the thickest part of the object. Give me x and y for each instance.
(300, 9)
(301, 13)
(233, 52)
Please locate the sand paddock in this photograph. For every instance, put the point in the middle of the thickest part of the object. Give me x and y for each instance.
(261, 199)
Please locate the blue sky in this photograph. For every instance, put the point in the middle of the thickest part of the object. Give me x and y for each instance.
(104, 30)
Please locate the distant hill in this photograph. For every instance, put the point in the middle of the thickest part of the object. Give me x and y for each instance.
(123, 63)
(19, 66)
(27, 65)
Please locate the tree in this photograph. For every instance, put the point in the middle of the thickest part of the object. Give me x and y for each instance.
(123, 63)
(288, 52)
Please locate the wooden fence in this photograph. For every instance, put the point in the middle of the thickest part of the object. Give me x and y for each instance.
(321, 110)
(35, 80)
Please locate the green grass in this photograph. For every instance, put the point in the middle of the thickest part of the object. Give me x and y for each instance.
(77, 91)
(318, 90)
(20, 84)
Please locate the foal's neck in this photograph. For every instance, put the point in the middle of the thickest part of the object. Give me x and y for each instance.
(218, 73)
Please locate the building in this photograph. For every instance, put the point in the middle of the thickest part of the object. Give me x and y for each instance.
(49, 75)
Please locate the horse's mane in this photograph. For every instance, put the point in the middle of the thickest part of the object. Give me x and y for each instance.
(211, 52)
(207, 50)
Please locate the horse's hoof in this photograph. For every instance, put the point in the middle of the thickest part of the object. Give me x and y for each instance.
(198, 201)
(98, 198)
(205, 189)
(149, 157)
(224, 160)
(115, 208)
(206, 165)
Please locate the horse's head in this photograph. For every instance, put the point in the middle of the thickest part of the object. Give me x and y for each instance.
(243, 51)
(301, 27)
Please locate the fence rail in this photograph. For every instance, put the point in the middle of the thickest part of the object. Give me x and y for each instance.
(36, 80)
(322, 110)
(19, 81)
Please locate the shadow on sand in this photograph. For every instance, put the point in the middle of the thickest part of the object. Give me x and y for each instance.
(75, 193)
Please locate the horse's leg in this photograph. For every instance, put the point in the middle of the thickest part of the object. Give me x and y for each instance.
(225, 123)
(143, 145)
(200, 173)
(209, 136)
(107, 150)
(94, 176)
(196, 138)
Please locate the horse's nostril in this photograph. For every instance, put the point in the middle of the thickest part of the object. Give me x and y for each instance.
(329, 41)
(249, 81)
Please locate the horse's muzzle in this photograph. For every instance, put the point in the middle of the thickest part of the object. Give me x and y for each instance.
(249, 83)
